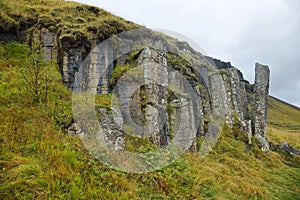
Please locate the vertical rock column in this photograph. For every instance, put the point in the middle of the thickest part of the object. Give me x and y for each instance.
(156, 84)
(261, 91)
(106, 71)
(240, 103)
(221, 97)
(229, 107)
(239, 95)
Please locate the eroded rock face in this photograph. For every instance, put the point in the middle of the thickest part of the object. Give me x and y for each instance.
(49, 42)
(239, 95)
(229, 106)
(240, 102)
(158, 79)
(246, 127)
(227, 94)
(261, 91)
(112, 127)
(145, 96)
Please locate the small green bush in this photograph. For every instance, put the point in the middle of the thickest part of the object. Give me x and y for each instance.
(118, 72)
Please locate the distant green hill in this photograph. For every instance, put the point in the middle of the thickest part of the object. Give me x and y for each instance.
(283, 115)
(284, 122)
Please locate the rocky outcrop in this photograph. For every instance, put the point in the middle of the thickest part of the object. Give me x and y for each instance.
(221, 97)
(229, 99)
(219, 90)
(284, 147)
(158, 101)
(163, 102)
(261, 91)
(155, 79)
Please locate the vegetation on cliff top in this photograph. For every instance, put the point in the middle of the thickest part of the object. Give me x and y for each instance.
(70, 19)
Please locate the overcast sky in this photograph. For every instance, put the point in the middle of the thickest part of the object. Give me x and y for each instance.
(242, 32)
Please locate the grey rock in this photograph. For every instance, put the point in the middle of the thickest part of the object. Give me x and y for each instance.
(273, 146)
(221, 98)
(229, 107)
(74, 130)
(261, 90)
(113, 130)
(262, 143)
(289, 149)
(226, 95)
(48, 41)
(239, 95)
(246, 127)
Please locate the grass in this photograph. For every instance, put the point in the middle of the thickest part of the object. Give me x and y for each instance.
(283, 115)
(284, 123)
(117, 73)
(66, 18)
(182, 65)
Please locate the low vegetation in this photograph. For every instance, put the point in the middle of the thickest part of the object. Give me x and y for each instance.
(72, 20)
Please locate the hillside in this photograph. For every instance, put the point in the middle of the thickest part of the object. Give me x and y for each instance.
(68, 19)
(40, 160)
(284, 122)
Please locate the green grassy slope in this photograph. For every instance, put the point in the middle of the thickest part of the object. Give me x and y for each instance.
(284, 122)
(283, 115)
(38, 160)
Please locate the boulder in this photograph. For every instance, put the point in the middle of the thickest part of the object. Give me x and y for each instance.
(289, 149)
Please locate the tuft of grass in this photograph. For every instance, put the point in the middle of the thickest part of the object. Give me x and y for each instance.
(182, 65)
(118, 72)
(103, 101)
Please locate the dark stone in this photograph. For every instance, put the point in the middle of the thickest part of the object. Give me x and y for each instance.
(289, 149)
(273, 146)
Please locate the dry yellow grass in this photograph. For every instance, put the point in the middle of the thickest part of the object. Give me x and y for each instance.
(283, 123)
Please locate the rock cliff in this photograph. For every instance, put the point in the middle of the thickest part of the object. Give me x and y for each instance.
(171, 92)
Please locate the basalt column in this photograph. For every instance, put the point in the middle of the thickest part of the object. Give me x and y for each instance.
(261, 91)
